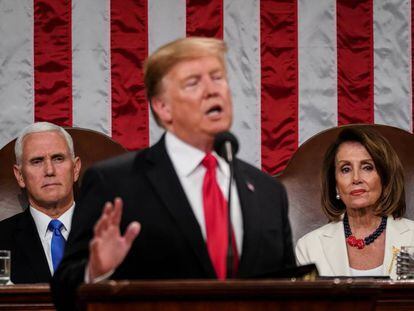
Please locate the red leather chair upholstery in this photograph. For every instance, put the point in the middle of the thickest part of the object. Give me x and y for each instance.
(302, 176)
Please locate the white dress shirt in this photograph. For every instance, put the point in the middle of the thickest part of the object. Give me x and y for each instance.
(42, 222)
(186, 160)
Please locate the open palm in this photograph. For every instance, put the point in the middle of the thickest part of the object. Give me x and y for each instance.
(109, 247)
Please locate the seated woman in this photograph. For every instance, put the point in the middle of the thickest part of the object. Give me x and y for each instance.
(364, 199)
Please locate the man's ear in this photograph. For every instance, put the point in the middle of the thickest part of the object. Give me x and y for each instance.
(19, 176)
(77, 164)
(162, 109)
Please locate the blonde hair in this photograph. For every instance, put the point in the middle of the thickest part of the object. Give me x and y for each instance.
(167, 56)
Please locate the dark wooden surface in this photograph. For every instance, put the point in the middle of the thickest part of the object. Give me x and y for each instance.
(26, 297)
(345, 294)
(261, 295)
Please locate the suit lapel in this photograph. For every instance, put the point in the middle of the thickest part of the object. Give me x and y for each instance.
(251, 220)
(29, 245)
(397, 234)
(334, 248)
(166, 183)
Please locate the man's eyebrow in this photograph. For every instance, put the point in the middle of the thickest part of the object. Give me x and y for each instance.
(55, 155)
(215, 70)
(191, 76)
(36, 158)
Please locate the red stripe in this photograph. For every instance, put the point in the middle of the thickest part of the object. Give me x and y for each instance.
(279, 90)
(53, 61)
(205, 18)
(129, 49)
(355, 61)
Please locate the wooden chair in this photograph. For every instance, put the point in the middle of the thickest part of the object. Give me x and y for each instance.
(90, 146)
(301, 177)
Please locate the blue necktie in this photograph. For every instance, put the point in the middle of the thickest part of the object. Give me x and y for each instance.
(58, 242)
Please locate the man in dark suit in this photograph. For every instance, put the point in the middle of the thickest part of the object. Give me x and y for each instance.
(165, 190)
(47, 168)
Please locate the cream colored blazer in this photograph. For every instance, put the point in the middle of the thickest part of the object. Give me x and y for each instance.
(326, 247)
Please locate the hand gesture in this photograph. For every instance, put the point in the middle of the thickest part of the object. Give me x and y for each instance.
(108, 247)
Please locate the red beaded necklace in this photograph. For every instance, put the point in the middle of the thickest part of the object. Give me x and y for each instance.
(360, 243)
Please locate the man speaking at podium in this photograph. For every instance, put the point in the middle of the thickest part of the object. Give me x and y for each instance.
(165, 208)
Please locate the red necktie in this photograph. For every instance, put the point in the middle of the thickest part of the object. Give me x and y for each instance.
(216, 218)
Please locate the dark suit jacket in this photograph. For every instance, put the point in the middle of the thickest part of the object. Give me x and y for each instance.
(28, 260)
(170, 244)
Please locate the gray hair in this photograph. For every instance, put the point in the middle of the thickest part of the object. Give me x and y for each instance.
(37, 128)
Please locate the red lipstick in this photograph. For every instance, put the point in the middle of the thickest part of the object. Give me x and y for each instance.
(357, 192)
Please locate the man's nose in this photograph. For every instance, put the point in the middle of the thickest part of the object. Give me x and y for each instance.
(49, 167)
(211, 87)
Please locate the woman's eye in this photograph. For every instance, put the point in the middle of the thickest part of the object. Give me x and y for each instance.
(368, 167)
(345, 169)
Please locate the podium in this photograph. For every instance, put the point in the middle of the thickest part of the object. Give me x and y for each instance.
(248, 295)
(26, 297)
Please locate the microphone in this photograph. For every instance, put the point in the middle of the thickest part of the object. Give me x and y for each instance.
(226, 146)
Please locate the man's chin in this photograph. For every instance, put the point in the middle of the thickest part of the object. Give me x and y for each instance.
(220, 127)
(48, 202)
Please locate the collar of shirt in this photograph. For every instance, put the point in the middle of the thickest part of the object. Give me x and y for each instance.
(186, 158)
(42, 221)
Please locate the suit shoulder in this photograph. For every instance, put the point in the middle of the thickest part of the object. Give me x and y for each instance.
(408, 222)
(258, 175)
(315, 234)
(11, 221)
(121, 164)
(8, 226)
(125, 159)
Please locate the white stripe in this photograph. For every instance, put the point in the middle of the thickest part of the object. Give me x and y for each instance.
(91, 64)
(242, 35)
(392, 63)
(317, 67)
(16, 68)
(166, 22)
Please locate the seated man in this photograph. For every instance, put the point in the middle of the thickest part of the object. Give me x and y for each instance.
(46, 167)
(176, 191)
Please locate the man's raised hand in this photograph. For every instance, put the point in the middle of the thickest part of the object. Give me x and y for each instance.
(108, 248)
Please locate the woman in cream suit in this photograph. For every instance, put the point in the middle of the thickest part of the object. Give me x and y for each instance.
(364, 200)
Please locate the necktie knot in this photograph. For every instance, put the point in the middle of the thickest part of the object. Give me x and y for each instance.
(55, 226)
(209, 162)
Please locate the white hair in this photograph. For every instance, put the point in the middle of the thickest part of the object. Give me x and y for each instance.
(37, 128)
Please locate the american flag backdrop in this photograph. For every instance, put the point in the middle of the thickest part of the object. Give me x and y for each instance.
(296, 67)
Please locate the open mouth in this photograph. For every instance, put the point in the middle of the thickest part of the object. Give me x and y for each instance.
(214, 110)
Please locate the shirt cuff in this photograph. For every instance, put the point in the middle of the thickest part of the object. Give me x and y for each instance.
(98, 279)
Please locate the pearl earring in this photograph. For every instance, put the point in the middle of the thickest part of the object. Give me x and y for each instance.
(337, 196)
